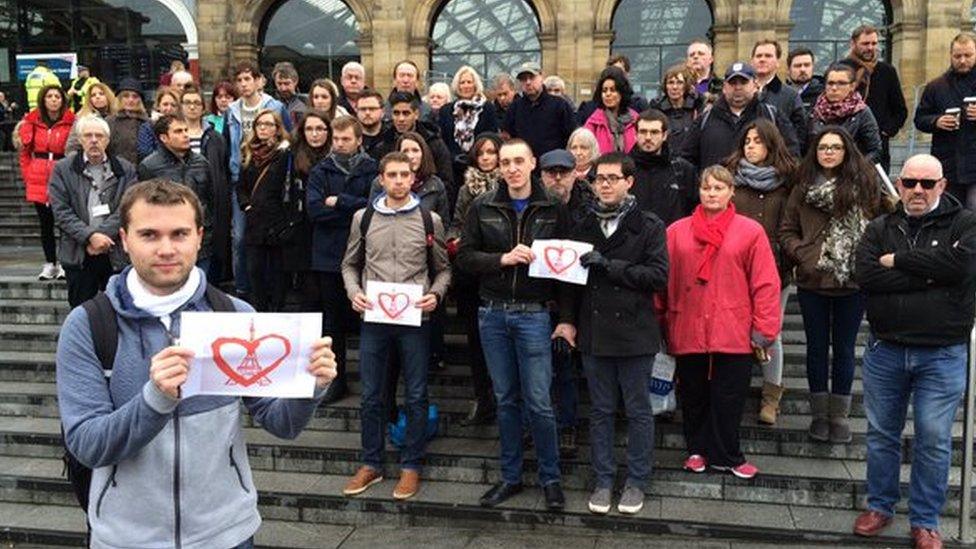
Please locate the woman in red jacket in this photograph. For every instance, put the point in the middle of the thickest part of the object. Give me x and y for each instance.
(721, 311)
(44, 134)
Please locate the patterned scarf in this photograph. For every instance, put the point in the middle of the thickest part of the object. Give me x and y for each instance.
(478, 182)
(843, 233)
(466, 115)
(618, 125)
(607, 213)
(829, 112)
(711, 233)
(262, 152)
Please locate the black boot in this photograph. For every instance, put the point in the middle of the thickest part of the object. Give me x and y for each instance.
(481, 414)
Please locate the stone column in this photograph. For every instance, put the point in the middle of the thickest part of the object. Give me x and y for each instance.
(214, 46)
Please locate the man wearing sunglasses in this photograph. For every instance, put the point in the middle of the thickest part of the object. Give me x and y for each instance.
(916, 268)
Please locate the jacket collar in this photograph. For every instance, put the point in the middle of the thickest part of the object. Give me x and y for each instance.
(538, 197)
(632, 222)
(78, 165)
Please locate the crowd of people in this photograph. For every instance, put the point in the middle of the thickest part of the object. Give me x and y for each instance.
(703, 207)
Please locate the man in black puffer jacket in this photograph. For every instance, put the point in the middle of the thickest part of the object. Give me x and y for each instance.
(175, 161)
(916, 267)
(954, 138)
(664, 186)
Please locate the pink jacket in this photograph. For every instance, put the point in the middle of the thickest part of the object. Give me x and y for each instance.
(597, 123)
(742, 296)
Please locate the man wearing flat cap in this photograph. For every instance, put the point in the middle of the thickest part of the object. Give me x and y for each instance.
(540, 119)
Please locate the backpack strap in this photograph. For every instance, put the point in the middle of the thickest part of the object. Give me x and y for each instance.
(363, 229)
(218, 300)
(104, 328)
(429, 240)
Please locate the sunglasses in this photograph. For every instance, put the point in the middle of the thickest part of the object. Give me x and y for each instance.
(927, 184)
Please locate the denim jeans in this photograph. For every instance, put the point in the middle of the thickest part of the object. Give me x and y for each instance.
(238, 256)
(933, 380)
(608, 377)
(518, 352)
(413, 345)
(830, 320)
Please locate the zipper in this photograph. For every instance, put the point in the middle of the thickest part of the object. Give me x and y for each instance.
(110, 482)
(237, 469)
(176, 478)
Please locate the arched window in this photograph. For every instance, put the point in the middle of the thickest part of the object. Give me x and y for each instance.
(317, 36)
(825, 27)
(492, 36)
(655, 34)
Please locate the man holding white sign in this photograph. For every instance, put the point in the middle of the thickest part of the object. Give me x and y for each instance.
(395, 267)
(618, 329)
(162, 475)
(514, 315)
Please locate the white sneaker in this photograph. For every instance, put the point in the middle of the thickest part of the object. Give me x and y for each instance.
(49, 272)
(60, 273)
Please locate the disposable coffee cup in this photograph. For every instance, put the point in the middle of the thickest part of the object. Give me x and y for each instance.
(970, 100)
(956, 112)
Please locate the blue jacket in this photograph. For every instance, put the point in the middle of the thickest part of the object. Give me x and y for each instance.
(166, 473)
(330, 225)
(232, 127)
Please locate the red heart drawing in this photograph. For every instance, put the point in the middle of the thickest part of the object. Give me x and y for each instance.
(556, 260)
(250, 365)
(394, 304)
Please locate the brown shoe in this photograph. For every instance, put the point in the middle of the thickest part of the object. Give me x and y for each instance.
(408, 485)
(363, 479)
(926, 539)
(871, 523)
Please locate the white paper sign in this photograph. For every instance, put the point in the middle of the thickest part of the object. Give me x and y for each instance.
(394, 303)
(559, 260)
(250, 354)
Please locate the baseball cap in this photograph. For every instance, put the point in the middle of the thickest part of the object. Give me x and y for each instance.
(557, 158)
(529, 67)
(741, 69)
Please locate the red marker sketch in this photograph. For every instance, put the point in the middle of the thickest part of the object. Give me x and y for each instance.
(250, 370)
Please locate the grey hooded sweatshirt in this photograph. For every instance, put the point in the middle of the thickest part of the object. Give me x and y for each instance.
(167, 473)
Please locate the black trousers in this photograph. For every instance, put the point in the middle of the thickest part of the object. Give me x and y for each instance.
(46, 216)
(87, 279)
(712, 390)
(265, 276)
(327, 293)
(466, 292)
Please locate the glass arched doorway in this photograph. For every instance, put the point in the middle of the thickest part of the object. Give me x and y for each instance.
(493, 36)
(825, 27)
(318, 36)
(655, 34)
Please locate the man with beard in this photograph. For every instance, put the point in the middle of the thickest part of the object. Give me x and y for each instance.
(663, 185)
(800, 63)
(369, 111)
(879, 85)
(954, 136)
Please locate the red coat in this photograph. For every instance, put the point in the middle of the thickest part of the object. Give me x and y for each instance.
(742, 296)
(38, 138)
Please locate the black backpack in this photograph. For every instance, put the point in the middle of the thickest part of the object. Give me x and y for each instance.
(428, 232)
(105, 334)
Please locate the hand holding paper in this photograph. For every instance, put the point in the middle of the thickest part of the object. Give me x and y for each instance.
(560, 260)
(394, 303)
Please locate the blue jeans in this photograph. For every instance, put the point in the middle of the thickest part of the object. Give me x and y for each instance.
(830, 319)
(519, 356)
(933, 380)
(238, 257)
(413, 344)
(608, 376)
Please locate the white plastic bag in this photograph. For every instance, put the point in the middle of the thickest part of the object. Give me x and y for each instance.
(662, 384)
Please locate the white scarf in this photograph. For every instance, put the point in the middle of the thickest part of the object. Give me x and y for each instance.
(161, 306)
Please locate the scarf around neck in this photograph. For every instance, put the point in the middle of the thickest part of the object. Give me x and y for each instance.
(262, 152)
(604, 212)
(478, 182)
(842, 233)
(618, 126)
(836, 112)
(760, 178)
(466, 115)
(710, 233)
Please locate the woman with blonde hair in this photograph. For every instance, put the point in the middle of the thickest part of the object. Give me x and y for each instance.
(130, 115)
(265, 157)
(167, 102)
(469, 115)
(99, 101)
(585, 149)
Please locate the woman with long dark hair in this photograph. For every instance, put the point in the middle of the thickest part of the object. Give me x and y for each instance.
(763, 169)
(482, 176)
(323, 96)
(613, 123)
(44, 136)
(835, 197)
(264, 169)
(841, 105)
(311, 143)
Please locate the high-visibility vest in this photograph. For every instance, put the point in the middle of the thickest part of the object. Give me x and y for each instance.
(37, 79)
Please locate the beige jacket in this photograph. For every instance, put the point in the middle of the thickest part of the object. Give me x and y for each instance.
(396, 251)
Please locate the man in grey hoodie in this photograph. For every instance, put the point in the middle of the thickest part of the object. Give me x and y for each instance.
(168, 472)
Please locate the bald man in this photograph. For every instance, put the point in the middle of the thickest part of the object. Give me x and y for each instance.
(916, 268)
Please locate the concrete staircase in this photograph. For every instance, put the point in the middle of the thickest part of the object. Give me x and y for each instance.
(807, 493)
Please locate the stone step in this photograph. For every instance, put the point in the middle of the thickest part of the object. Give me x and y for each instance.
(304, 499)
(31, 238)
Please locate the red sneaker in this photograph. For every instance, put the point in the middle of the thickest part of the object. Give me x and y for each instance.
(745, 471)
(695, 463)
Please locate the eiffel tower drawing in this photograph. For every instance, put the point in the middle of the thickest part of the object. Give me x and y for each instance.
(249, 366)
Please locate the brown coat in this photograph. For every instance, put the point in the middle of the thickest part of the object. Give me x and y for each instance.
(396, 251)
(766, 208)
(801, 237)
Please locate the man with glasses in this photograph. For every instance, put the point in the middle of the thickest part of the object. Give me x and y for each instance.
(663, 185)
(954, 134)
(619, 330)
(915, 267)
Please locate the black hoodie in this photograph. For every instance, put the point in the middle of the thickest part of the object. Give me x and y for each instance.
(664, 186)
